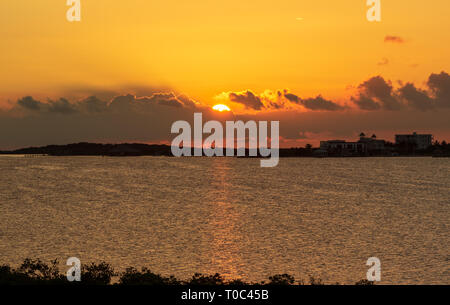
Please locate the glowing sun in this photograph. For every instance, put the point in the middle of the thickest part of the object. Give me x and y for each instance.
(221, 107)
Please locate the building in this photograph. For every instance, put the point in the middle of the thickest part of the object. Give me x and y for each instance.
(364, 146)
(417, 141)
(373, 144)
(343, 148)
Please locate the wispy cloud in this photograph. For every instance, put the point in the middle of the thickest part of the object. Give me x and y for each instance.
(394, 39)
(384, 61)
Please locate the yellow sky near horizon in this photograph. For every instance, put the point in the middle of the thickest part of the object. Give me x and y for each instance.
(202, 48)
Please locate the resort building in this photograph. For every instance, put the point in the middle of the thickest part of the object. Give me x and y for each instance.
(419, 141)
(364, 146)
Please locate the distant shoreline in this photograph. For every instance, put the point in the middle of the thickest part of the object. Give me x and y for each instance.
(186, 157)
(138, 150)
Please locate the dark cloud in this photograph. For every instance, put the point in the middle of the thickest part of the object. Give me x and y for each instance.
(281, 99)
(394, 39)
(79, 91)
(365, 103)
(187, 101)
(125, 118)
(29, 103)
(415, 97)
(439, 85)
(130, 102)
(167, 99)
(123, 103)
(246, 98)
(376, 93)
(93, 104)
(292, 97)
(319, 103)
(62, 106)
(131, 118)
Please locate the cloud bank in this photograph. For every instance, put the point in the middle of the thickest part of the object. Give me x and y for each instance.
(376, 106)
(378, 94)
(280, 99)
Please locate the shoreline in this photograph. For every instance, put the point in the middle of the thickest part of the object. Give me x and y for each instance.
(21, 155)
(138, 150)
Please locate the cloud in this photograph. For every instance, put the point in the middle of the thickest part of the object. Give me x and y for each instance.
(277, 100)
(365, 103)
(393, 39)
(125, 118)
(415, 97)
(246, 98)
(378, 94)
(62, 106)
(187, 101)
(384, 61)
(439, 85)
(93, 105)
(29, 103)
(388, 109)
(317, 103)
(167, 99)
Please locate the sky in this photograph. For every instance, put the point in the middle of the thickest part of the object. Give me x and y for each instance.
(319, 67)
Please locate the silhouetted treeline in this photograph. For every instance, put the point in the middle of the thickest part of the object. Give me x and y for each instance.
(94, 149)
(36, 272)
(127, 149)
(439, 149)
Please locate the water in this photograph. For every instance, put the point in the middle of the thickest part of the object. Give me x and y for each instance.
(319, 217)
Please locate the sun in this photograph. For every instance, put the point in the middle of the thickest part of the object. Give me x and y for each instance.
(221, 107)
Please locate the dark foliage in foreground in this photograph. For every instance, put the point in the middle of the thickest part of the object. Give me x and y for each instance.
(36, 272)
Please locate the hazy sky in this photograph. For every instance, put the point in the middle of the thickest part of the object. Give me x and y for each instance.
(239, 52)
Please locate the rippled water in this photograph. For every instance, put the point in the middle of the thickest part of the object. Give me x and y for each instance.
(320, 217)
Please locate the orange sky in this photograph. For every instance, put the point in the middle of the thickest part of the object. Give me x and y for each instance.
(203, 47)
(208, 50)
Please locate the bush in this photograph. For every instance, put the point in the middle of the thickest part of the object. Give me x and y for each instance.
(97, 274)
(35, 272)
(364, 283)
(200, 279)
(133, 277)
(32, 272)
(281, 279)
(315, 282)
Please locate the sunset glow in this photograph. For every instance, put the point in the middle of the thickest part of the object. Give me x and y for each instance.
(252, 144)
(324, 71)
(221, 108)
